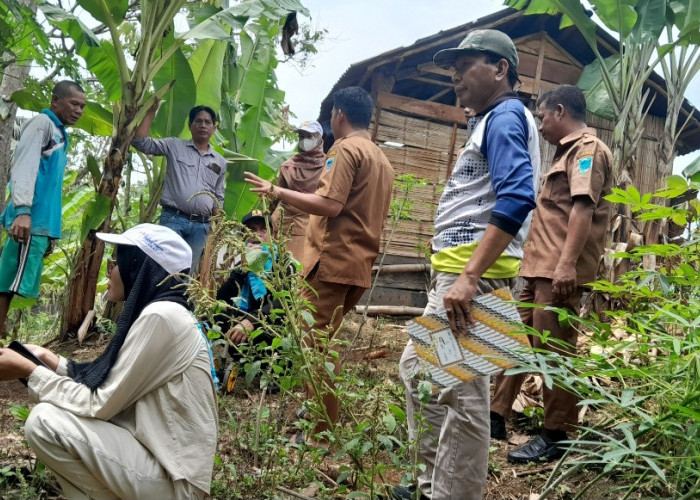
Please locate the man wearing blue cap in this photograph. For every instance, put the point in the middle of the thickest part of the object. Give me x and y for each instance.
(480, 227)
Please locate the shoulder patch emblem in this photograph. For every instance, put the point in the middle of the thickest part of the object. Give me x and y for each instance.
(329, 162)
(585, 164)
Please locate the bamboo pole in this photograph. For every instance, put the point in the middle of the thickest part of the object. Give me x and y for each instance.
(390, 310)
(403, 268)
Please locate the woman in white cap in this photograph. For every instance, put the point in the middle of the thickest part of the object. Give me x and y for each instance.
(140, 421)
(300, 173)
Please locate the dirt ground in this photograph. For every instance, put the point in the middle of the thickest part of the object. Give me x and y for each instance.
(387, 338)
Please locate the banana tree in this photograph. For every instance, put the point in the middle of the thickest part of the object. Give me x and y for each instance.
(613, 85)
(679, 65)
(159, 70)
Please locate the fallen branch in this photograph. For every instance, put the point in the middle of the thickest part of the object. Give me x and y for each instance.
(292, 493)
(381, 353)
(532, 472)
(82, 331)
(325, 476)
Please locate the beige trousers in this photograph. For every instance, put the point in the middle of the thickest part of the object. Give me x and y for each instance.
(96, 459)
(454, 437)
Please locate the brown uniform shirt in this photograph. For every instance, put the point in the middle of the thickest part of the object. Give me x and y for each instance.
(358, 175)
(582, 166)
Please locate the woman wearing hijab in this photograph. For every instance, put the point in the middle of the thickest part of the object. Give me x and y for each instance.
(140, 421)
(300, 173)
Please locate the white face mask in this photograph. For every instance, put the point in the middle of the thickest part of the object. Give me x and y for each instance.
(307, 144)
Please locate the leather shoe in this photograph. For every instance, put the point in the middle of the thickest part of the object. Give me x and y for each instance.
(406, 493)
(498, 429)
(537, 450)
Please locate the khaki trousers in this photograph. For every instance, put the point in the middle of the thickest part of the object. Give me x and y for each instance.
(560, 411)
(454, 437)
(96, 459)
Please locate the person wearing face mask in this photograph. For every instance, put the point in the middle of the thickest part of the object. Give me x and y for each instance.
(300, 173)
(140, 421)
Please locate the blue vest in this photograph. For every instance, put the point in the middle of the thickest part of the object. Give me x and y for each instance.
(48, 190)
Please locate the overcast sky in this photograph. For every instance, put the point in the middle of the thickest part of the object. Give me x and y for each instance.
(360, 29)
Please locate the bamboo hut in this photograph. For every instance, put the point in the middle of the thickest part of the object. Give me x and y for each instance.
(419, 126)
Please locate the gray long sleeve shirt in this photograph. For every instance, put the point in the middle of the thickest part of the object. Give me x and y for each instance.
(187, 172)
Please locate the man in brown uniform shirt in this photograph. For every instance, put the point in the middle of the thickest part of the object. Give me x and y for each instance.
(348, 211)
(561, 255)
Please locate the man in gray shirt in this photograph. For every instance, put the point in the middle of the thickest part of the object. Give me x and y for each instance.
(192, 167)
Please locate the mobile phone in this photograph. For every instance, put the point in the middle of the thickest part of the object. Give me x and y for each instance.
(21, 349)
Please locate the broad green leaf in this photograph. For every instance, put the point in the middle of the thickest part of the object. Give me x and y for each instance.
(20, 412)
(95, 214)
(330, 369)
(238, 199)
(179, 99)
(106, 11)
(617, 15)
(64, 19)
(28, 100)
(687, 20)
(207, 63)
(94, 169)
(76, 201)
(99, 55)
(398, 412)
(251, 371)
(651, 21)
(574, 14)
(690, 170)
(96, 120)
(308, 318)
(237, 16)
(390, 423)
(593, 86)
(425, 390)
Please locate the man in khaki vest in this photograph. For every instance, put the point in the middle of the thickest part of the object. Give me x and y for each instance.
(561, 255)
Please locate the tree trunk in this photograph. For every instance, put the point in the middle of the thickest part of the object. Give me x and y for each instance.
(83, 281)
(13, 80)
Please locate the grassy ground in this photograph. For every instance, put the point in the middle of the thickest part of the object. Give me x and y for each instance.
(253, 457)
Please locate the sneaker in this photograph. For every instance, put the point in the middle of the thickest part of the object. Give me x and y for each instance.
(498, 428)
(538, 449)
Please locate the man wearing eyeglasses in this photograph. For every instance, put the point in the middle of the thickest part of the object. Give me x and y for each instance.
(193, 170)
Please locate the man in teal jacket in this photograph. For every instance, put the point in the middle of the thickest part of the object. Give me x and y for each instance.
(33, 214)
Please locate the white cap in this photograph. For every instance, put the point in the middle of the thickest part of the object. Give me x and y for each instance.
(311, 126)
(160, 243)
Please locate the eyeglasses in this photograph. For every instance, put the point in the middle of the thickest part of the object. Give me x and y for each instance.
(111, 264)
(207, 123)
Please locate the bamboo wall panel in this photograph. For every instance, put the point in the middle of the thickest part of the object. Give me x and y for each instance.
(425, 155)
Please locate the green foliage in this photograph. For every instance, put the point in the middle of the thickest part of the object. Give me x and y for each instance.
(22, 39)
(371, 437)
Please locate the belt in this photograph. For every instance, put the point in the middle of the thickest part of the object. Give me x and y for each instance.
(185, 215)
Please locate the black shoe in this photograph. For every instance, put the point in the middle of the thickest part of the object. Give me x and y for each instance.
(406, 493)
(537, 450)
(498, 428)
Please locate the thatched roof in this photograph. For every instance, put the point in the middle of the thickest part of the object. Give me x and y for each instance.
(429, 84)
